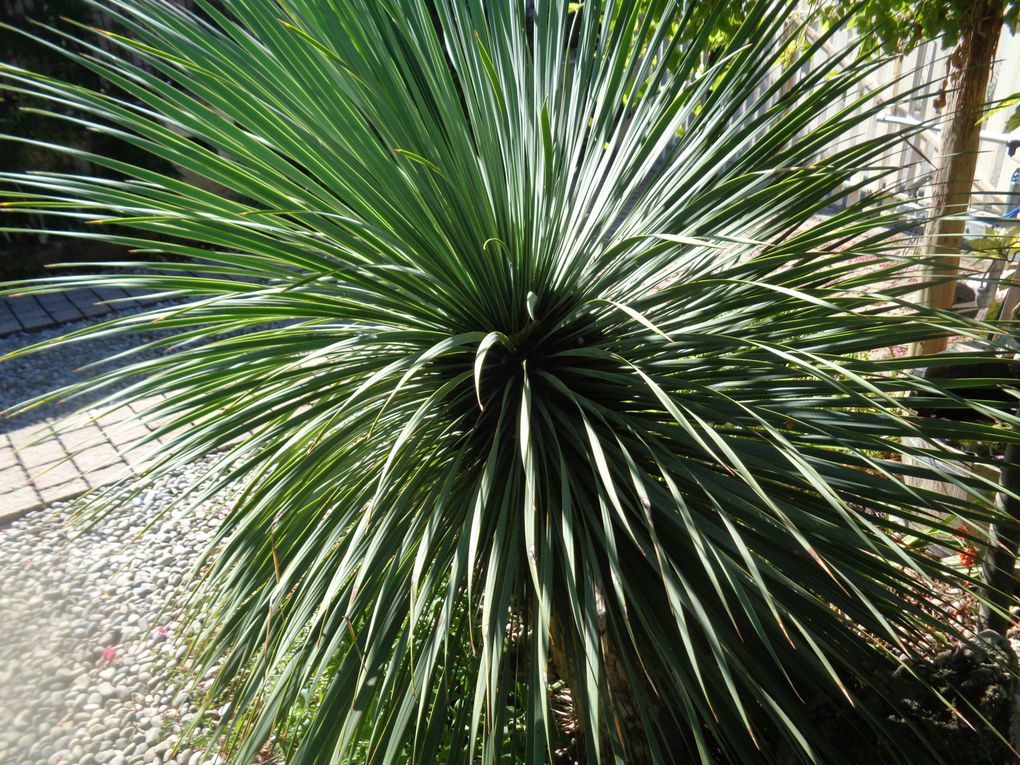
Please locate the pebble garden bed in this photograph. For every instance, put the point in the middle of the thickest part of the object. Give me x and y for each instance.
(93, 660)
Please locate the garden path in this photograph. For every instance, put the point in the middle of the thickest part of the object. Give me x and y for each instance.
(60, 459)
(47, 457)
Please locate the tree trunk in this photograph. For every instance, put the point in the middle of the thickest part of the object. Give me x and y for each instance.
(621, 718)
(971, 66)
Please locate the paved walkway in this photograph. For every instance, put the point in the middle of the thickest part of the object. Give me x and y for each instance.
(30, 312)
(57, 460)
(52, 461)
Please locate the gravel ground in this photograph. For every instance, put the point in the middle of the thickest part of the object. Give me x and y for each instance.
(92, 657)
(92, 648)
(39, 373)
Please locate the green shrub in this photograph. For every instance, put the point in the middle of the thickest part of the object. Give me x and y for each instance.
(551, 393)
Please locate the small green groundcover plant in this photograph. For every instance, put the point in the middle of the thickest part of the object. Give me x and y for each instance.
(550, 397)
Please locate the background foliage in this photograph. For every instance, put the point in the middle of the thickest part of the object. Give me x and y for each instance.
(24, 253)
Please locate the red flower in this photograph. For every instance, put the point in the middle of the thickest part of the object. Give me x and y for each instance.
(968, 557)
(109, 653)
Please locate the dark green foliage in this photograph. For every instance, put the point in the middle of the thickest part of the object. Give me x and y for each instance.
(553, 381)
(16, 48)
(22, 114)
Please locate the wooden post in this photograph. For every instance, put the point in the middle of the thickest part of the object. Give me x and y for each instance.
(971, 65)
(1000, 556)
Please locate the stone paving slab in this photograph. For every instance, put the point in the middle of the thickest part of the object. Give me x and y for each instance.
(48, 462)
(29, 312)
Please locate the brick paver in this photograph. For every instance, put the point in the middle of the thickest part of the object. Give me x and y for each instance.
(13, 476)
(29, 312)
(45, 463)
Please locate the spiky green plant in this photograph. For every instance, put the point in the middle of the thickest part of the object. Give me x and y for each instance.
(552, 399)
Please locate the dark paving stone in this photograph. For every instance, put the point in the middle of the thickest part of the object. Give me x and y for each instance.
(35, 320)
(29, 312)
(65, 315)
(110, 293)
(57, 303)
(23, 303)
(85, 301)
